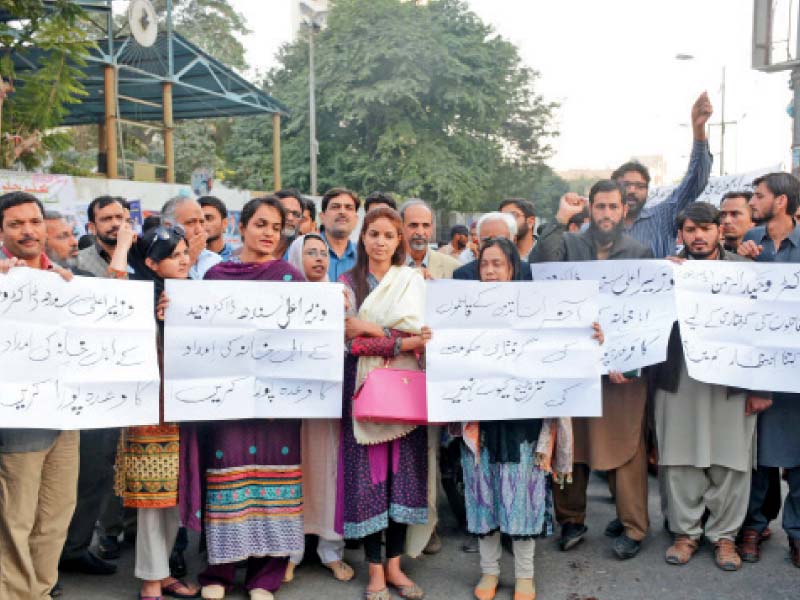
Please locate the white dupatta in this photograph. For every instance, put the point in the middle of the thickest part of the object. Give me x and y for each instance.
(398, 302)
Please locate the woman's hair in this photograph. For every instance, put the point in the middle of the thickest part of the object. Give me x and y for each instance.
(508, 249)
(358, 274)
(158, 243)
(249, 209)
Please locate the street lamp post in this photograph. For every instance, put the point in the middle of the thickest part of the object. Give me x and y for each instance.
(312, 113)
(722, 122)
(314, 20)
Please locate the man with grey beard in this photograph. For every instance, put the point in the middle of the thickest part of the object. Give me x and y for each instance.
(418, 230)
(61, 246)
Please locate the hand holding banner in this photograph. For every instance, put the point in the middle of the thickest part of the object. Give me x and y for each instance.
(78, 354)
(513, 350)
(242, 350)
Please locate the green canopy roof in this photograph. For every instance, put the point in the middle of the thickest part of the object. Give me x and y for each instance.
(202, 87)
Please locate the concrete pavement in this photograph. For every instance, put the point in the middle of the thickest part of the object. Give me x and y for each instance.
(588, 572)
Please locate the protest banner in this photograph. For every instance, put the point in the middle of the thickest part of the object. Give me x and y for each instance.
(637, 306)
(78, 354)
(245, 349)
(739, 323)
(513, 350)
(715, 188)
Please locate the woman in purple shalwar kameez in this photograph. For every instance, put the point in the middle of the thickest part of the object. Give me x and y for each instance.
(241, 480)
(385, 467)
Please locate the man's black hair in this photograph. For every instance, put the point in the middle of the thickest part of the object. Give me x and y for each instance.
(311, 207)
(606, 185)
(339, 191)
(526, 206)
(289, 193)
(782, 184)
(379, 198)
(458, 230)
(16, 199)
(150, 222)
(701, 213)
(101, 202)
(214, 202)
(635, 166)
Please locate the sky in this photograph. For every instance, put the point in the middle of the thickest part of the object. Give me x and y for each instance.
(611, 65)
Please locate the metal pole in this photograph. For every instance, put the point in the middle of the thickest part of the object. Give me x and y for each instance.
(796, 123)
(276, 151)
(312, 109)
(722, 128)
(170, 53)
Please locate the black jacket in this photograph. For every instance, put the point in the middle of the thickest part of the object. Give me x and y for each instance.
(556, 245)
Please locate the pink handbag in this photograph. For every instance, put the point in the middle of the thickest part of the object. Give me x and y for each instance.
(392, 396)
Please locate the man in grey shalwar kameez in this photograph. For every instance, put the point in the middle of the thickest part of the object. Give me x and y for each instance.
(705, 432)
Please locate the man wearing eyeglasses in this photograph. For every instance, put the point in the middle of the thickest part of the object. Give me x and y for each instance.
(654, 226)
(292, 202)
(339, 218)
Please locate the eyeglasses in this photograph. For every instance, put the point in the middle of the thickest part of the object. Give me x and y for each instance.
(637, 185)
(316, 253)
(165, 233)
(294, 213)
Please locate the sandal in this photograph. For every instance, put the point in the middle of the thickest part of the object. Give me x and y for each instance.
(410, 592)
(171, 589)
(681, 550)
(379, 595)
(341, 570)
(261, 594)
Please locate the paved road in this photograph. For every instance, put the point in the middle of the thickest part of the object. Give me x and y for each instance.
(588, 572)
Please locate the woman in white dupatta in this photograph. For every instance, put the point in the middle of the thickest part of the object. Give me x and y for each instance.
(320, 444)
(384, 466)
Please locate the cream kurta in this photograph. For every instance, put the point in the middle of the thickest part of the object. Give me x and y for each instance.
(320, 448)
(703, 425)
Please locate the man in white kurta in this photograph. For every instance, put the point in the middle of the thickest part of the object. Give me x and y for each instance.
(705, 432)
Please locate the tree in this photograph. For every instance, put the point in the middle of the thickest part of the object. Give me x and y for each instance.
(36, 101)
(422, 100)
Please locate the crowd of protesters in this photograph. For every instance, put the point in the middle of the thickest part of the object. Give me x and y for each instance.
(345, 480)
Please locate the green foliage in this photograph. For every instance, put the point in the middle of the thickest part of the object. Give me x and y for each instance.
(422, 100)
(216, 28)
(38, 100)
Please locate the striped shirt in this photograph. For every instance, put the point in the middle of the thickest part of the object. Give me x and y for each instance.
(656, 227)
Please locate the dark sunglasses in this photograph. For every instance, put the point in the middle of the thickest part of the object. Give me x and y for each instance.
(164, 234)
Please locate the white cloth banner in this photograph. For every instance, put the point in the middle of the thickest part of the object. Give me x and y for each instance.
(740, 323)
(78, 354)
(716, 188)
(253, 349)
(637, 306)
(513, 350)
